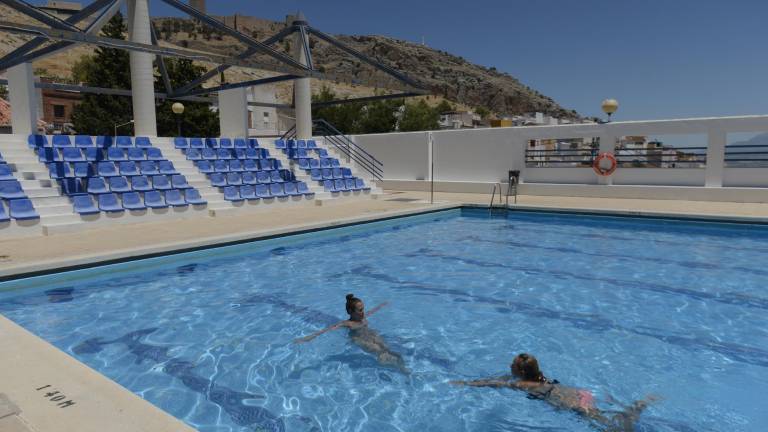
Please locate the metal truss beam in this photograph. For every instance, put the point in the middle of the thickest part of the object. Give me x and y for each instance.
(160, 62)
(256, 82)
(305, 45)
(38, 41)
(43, 17)
(80, 37)
(92, 28)
(366, 99)
(353, 52)
(249, 52)
(251, 42)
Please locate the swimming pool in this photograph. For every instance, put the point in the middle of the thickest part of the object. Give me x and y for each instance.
(621, 306)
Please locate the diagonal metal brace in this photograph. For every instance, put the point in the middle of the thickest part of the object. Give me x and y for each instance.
(43, 17)
(256, 82)
(251, 42)
(160, 61)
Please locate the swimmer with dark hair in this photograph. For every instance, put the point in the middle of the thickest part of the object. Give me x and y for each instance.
(527, 376)
(367, 339)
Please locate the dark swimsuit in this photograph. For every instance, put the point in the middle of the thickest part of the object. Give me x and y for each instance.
(544, 391)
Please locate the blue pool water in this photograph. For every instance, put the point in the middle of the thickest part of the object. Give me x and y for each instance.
(622, 307)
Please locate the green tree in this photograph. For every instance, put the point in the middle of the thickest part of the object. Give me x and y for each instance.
(98, 113)
(483, 112)
(198, 120)
(444, 106)
(345, 117)
(3, 92)
(379, 116)
(419, 116)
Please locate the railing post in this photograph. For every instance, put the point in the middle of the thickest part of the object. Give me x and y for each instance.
(713, 173)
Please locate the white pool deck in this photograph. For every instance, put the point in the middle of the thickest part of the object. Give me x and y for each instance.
(28, 363)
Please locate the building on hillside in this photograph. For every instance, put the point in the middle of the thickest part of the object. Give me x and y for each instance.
(62, 9)
(57, 108)
(459, 120)
(5, 116)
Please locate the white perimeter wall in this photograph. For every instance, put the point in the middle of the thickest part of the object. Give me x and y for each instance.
(471, 160)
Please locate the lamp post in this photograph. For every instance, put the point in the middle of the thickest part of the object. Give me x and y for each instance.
(121, 125)
(178, 109)
(609, 107)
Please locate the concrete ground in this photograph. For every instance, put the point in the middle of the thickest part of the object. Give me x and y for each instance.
(29, 366)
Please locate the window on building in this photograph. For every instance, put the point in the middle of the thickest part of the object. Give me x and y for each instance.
(266, 115)
(58, 111)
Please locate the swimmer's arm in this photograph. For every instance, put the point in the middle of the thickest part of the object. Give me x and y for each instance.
(495, 383)
(338, 325)
(376, 309)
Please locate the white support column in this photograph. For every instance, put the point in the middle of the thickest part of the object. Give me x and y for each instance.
(607, 145)
(23, 99)
(142, 73)
(713, 173)
(233, 112)
(302, 88)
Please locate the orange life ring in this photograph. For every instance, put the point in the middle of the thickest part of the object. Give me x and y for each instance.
(601, 171)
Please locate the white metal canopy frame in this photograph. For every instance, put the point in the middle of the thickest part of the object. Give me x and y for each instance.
(65, 34)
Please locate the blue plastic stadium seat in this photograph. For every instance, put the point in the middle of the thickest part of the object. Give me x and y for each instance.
(72, 154)
(149, 168)
(72, 187)
(3, 215)
(133, 201)
(136, 154)
(248, 192)
(174, 198)
(316, 175)
(208, 154)
(347, 173)
(97, 185)
(83, 141)
(83, 204)
(241, 143)
(327, 173)
(154, 199)
(140, 184)
(225, 143)
(276, 189)
(262, 191)
(275, 177)
(143, 142)
(123, 141)
(116, 154)
(266, 164)
(264, 153)
(57, 170)
(263, 177)
(161, 182)
(37, 140)
(194, 154)
(249, 178)
(6, 173)
(22, 209)
(304, 164)
(304, 189)
(325, 163)
(166, 167)
(311, 144)
(104, 141)
(47, 154)
(62, 141)
(291, 189)
(234, 179)
(291, 143)
(253, 142)
(224, 153)
(322, 153)
(93, 154)
(291, 153)
(192, 196)
(314, 163)
(180, 143)
(250, 165)
(81, 169)
(179, 182)
(154, 153)
(204, 166)
(236, 166)
(212, 143)
(337, 173)
(196, 143)
(350, 184)
(119, 184)
(11, 189)
(128, 168)
(221, 166)
(329, 186)
(232, 193)
(218, 180)
(106, 169)
(279, 144)
(252, 153)
(108, 202)
(302, 144)
(240, 153)
(340, 185)
(335, 163)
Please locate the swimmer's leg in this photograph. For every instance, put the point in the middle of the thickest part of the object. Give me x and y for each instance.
(389, 358)
(625, 420)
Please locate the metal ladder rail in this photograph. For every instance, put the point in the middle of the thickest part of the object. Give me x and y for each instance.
(496, 186)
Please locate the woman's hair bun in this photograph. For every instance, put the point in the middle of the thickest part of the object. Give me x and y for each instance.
(350, 296)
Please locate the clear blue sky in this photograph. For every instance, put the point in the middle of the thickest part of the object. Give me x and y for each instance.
(659, 58)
